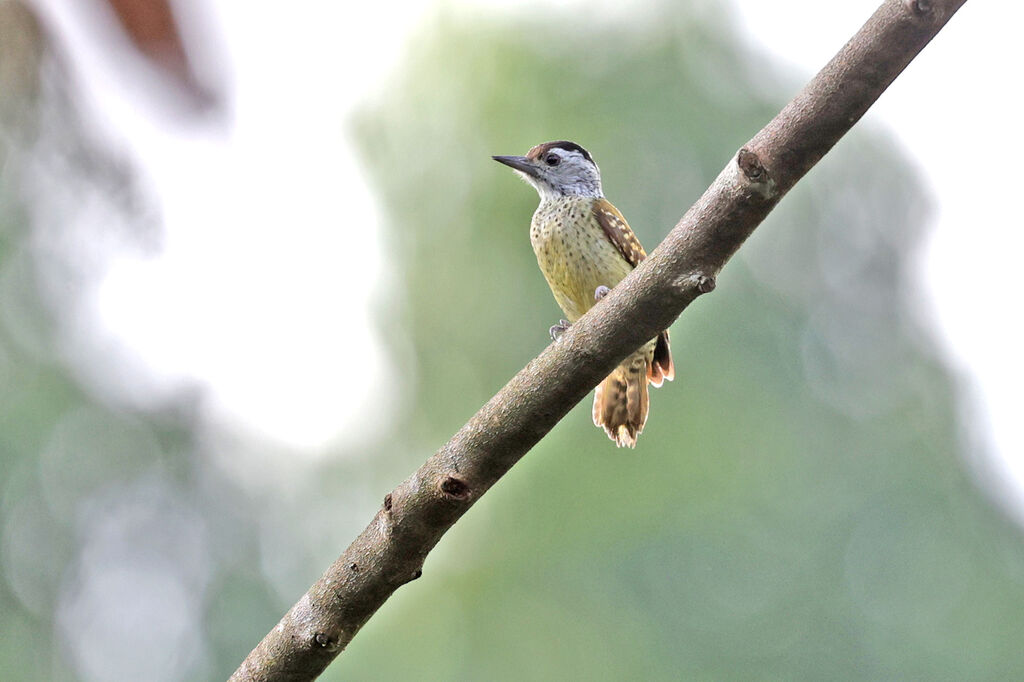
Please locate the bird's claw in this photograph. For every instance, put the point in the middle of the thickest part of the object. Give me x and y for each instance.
(600, 292)
(559, 329)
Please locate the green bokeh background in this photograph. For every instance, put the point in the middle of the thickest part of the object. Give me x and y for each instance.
(799, 506)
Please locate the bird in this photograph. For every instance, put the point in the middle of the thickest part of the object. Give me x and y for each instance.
(584, 247)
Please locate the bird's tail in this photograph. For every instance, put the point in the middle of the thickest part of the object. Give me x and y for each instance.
(621, 401)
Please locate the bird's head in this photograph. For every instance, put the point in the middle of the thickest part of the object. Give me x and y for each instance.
(558, 169)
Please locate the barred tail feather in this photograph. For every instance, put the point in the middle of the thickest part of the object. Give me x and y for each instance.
(621, 402)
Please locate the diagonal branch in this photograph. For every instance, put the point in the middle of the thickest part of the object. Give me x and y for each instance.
(391, 550)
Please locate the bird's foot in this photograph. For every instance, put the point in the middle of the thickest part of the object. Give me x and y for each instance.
(559, 329)
(600, 292)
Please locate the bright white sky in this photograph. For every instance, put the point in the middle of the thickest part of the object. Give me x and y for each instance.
(256, 295)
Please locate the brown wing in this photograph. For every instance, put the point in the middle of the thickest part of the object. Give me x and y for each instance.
(621, 236)
(617, 230)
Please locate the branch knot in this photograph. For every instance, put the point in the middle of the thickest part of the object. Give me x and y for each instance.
(755, 172)
(702, 283)
(919, 7)
(325, 641)
(455, 488)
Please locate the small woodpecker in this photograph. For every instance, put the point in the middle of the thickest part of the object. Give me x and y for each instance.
(584, 247)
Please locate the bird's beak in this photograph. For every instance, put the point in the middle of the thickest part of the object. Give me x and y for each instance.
(519, 163)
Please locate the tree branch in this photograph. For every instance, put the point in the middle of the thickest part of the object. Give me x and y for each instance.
(391, 550)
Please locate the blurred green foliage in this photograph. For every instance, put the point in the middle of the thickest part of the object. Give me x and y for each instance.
(796, 508)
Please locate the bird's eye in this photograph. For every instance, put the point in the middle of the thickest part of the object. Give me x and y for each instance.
(552, 159)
